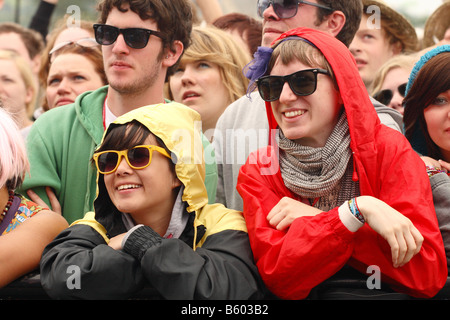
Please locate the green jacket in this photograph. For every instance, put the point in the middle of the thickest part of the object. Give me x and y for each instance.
(210, 259)
(60, 146)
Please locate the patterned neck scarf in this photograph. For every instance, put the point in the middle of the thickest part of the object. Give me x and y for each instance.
(316, 172)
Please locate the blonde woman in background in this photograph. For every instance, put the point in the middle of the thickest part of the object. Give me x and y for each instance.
(390, 81)
(209, 76)
(17, 89)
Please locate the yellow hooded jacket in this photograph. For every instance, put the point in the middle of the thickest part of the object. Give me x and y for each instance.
(212, 258)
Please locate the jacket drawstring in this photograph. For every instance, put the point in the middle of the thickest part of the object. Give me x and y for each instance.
(194, 244)
(355, 174)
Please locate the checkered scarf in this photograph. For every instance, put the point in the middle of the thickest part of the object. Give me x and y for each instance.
(317, 172)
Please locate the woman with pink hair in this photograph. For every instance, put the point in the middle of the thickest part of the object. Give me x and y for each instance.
(22, 239)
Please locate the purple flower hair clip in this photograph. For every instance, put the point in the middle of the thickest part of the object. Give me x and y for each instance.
(257, 67)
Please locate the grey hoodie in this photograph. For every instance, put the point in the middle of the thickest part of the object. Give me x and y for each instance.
(440, 185)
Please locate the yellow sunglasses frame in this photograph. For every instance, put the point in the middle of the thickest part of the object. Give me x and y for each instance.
(124, 153)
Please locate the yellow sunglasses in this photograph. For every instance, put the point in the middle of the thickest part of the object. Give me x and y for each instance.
(138, 157)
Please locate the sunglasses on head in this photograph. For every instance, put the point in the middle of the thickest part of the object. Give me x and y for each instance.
(302, 83)
(385, 96)
(84, 42)
(138, 157)
(285, 9)
(136, 38)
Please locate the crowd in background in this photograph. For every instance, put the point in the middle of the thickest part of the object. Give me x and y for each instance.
(91, 114)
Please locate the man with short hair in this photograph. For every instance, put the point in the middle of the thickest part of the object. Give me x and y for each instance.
(374, 45)
(141, 42)
(243, 127)
(339, 18)
(27, 43)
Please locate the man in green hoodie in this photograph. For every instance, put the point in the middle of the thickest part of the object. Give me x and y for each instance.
(142, 42)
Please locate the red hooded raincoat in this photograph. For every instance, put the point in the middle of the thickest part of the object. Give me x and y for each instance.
(294, 261)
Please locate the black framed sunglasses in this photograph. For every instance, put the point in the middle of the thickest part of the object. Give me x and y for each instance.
(385, 96)
(136, 38)
(138, 157)
(302, 83)
(285, 9)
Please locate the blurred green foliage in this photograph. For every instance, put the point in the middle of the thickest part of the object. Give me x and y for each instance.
(21, 11)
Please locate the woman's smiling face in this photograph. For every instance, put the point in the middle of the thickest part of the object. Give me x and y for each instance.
(309, 120)
(143, 192)
(437, 118)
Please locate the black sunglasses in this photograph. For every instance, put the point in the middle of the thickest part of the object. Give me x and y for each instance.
(285, 9)
(385, 96)
(302, 83)
(136, 38)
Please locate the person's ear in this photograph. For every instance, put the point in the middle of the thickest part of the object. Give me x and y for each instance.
(335, 22)
(173, 54)
(36, 64)
(396, 48)
(176, 182)
(340, 100)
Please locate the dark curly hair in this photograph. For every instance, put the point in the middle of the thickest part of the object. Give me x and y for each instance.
(173, 17)
(352, 9)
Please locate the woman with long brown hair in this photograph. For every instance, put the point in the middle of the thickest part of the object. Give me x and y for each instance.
(428, 87)
(427, 127)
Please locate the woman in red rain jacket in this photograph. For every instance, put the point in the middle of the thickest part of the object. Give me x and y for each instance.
(335, 187)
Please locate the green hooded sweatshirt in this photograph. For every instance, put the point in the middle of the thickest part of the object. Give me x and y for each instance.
(60, 147)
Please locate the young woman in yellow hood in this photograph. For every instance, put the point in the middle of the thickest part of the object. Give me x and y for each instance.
(152, 225)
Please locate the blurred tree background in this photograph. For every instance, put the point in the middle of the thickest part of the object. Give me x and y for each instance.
(21, 11)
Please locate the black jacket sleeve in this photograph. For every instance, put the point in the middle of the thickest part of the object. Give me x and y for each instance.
(79, 264)
(222, 268)
(41, 19)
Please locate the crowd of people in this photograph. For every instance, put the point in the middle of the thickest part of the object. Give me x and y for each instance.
(218, 156)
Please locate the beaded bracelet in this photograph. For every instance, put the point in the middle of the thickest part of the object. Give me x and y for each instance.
(431, 171)
(353, 206)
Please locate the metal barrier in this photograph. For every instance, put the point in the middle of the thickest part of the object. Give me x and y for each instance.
(351, 287)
